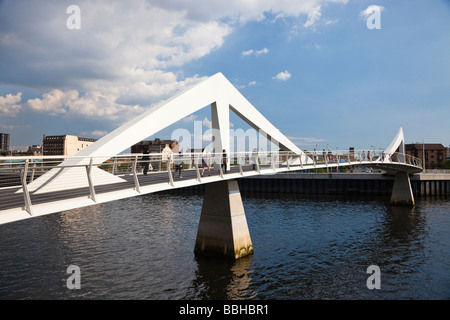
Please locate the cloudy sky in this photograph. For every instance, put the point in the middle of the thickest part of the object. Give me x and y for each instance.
(314, 68)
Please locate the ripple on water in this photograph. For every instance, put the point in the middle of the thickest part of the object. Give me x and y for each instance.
(142, 248)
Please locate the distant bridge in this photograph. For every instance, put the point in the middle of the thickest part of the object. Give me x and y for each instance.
(36, 186)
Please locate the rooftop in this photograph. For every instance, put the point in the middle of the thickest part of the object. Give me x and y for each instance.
(427, 146)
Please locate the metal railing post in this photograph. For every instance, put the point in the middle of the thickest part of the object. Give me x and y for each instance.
(91, 185)
(32, 172)
(258, 169)
(199, 176)
(114, 165)
(26, 194)
(169, 161)
(136, 180)
(219, 163)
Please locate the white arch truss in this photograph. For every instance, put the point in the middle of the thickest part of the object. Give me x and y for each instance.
(215, 91)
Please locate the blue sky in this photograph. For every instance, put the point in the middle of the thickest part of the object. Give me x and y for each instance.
(340, 83)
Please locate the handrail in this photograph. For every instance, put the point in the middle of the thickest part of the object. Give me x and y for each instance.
(340, 153)
(20, 184)
(42, 163)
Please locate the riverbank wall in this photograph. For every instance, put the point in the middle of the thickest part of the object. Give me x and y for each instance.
(377, 184)
(345, 183)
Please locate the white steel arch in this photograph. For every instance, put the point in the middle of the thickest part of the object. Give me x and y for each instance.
(397, 143)
(215, 91)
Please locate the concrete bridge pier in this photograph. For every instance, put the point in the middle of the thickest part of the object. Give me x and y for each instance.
(401, 192)
(223, 228)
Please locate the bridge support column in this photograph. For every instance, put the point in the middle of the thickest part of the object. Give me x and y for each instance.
(223, 228)
(401, 192)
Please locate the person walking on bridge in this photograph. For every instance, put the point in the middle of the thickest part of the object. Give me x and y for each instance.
(205, 163)
(224, 161)
(179, 164)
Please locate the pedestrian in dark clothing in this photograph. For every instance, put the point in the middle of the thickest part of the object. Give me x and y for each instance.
(224, 162)
(179, 164)
(146, 160)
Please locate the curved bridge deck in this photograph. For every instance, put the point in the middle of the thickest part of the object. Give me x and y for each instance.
(37, 186)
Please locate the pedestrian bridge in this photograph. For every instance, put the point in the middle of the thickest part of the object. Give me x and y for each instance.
(22, 195)
(36, 186)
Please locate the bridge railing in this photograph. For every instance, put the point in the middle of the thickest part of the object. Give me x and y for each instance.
(76, 176)
(67, 177)
(15, 170)
(343, 157)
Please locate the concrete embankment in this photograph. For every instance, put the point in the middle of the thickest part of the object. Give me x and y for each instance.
(377, 184)
(423, 184)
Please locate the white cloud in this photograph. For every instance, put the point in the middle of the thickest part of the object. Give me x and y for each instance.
(8, 104)
(127, 55)
(283, 76)
(263, 51)
(98, 133)
(53, 102)
(198, 41)
(207, 123)
(69, 103)
(313, 16)
(255, 52)
(162, 85)
(242, 11)
(121, 50)
(247, 53)
(190, 118)
(252, 83)
(330, 22)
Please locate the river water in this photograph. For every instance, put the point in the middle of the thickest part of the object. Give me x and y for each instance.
(304, 248)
